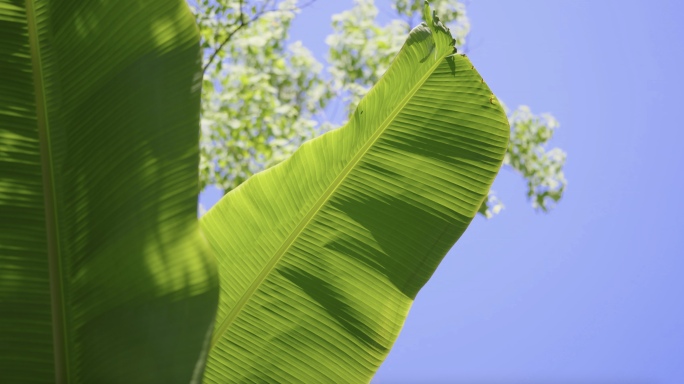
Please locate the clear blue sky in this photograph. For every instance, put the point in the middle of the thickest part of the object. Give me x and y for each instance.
(594, 291)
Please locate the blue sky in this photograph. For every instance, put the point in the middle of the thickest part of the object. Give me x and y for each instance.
(594, 291)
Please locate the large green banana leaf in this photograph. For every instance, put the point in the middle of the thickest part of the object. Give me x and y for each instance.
(104, 276)
(321, 256)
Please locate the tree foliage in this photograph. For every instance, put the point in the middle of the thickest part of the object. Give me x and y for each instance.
(260, 96)
(263, 98)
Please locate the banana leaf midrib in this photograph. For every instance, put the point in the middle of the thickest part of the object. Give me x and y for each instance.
(60, 353)
(235, 311)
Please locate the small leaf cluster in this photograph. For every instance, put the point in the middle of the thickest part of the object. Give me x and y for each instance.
(527, 154)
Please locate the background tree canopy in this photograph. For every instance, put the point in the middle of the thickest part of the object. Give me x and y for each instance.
(262, 97)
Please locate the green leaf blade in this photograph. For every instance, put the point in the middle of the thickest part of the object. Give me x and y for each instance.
(102, 100)
(321, 256)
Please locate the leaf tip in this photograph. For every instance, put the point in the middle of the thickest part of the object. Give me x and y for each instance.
(427, 15)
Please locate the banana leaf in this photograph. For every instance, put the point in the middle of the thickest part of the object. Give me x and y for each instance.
(321, 256)
(104, 276)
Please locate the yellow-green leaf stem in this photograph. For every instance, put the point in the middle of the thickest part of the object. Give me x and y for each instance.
(51, 227)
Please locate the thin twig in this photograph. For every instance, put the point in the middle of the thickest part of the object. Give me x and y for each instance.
(244, 24)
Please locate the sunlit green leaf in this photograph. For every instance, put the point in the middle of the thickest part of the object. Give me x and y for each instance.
(321, 256)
